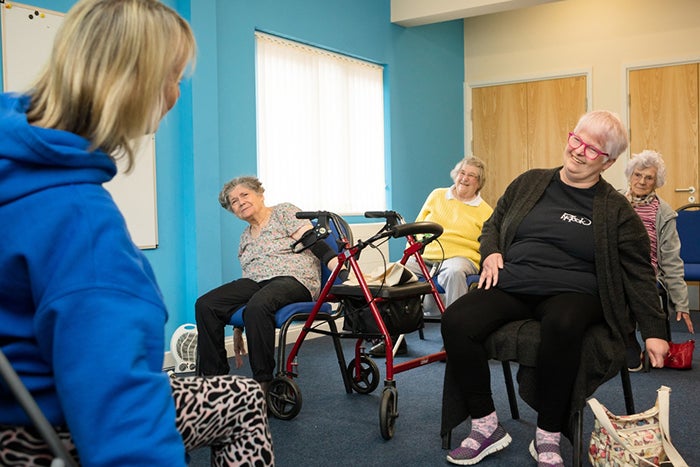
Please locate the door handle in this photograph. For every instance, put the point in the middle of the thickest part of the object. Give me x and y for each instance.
(690, 189)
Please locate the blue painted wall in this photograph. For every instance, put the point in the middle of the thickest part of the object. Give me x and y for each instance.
(209, 137)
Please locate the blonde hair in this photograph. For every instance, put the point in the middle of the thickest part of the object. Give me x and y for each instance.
(108, 71)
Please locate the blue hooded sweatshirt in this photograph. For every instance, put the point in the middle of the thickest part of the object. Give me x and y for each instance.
(81, 316)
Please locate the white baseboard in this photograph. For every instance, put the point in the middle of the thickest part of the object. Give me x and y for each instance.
(292, 335)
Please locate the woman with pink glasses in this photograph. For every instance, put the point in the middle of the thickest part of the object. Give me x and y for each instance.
(562, 247)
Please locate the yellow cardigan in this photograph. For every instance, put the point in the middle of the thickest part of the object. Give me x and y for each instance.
(461, 222)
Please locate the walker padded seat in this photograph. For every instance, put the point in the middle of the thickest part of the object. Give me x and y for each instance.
(410, 289)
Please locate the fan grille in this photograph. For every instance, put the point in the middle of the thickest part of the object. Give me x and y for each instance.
(186, 346)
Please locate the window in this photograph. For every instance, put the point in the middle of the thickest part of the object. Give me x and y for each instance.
(320, 128)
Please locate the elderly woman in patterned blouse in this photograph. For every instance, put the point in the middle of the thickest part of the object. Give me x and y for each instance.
(273, 275)
(645, 173)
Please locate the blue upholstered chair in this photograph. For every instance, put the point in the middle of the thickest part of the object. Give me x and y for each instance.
(688, 226)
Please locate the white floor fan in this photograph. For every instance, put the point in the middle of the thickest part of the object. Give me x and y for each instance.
(183, 347)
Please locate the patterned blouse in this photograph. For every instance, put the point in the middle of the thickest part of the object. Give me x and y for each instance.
(270, 254)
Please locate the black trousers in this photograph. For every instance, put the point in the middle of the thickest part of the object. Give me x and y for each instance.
(564, 320)
(262, 300)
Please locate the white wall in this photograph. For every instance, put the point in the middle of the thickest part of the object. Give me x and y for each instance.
(602, 38)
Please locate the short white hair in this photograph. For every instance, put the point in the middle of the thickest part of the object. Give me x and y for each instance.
(644, 160)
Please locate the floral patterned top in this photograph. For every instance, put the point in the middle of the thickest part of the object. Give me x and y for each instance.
(270, 254)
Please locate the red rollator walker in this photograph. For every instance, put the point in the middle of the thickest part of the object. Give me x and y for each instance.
(372, 313)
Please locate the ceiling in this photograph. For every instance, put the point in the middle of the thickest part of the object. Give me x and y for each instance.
(419, 12)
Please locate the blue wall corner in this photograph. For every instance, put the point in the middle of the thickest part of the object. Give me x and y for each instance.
(209, 137)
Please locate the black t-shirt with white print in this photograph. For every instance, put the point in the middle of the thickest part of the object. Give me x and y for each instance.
(553, 250)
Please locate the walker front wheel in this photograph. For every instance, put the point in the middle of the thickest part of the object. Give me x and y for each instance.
(368, 379)
(284, 398)
(388, 412)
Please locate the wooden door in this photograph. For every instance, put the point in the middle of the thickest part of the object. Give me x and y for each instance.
(499, 119)
(553, 109)
(521, 126)
(663, 108)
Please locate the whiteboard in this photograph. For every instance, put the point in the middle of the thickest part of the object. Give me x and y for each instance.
(27, 36)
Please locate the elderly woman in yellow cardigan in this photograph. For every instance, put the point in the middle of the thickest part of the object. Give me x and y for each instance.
(461, 212)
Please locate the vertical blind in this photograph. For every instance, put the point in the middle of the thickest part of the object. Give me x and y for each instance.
(320, 127)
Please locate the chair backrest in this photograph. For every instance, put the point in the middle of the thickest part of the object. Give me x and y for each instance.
(688, 226)
(28, 403)
(334, 241)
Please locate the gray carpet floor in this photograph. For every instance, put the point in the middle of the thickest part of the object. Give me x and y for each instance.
(335, 428)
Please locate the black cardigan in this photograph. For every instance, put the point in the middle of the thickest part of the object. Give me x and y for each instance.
(626, 282)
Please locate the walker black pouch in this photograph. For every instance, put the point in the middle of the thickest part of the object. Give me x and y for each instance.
(400, 306)
(400, 316)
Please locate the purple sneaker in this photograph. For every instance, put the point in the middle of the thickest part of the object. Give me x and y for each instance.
(553, 448)
(494, 443)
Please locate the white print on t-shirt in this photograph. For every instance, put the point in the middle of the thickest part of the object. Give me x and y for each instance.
(571, 218)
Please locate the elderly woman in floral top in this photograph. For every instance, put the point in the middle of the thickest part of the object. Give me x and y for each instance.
(273, 275)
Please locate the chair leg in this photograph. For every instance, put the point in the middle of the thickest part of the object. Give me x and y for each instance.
(510, 388)
(578, 439)
(627, 390)
(447, 440)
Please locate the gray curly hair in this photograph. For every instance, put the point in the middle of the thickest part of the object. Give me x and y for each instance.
(644, 160)
(248, 181)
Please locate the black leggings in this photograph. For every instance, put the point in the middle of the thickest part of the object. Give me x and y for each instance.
(564, 319)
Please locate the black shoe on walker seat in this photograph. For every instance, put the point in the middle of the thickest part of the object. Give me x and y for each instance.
(379, 350)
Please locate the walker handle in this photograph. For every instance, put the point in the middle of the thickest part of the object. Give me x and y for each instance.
(415, 228)
(310, 214)
(393, 218)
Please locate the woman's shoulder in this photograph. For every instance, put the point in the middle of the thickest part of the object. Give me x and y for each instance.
(536, 174)
(437, 192)
(666, 208)
(285, 214)
(531, 179)
(285, 208)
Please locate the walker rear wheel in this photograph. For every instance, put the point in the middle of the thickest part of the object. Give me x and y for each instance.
(284, 398)
(368, 379)
(388, 412)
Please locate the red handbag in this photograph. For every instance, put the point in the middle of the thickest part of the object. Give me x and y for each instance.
(680, 356)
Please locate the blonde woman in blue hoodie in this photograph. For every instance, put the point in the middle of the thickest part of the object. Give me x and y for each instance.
(77, 297)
